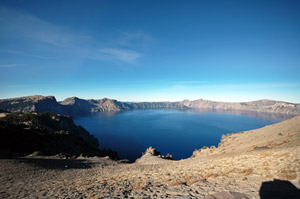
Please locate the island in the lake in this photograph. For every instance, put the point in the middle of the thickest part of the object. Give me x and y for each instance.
(45, 155)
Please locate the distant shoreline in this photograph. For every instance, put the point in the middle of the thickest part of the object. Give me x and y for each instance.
(76, 106)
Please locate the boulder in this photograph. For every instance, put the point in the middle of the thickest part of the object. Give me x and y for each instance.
(151, 151)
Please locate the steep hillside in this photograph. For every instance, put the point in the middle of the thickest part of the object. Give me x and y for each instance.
(257, 106)
(282, 135)
(32, 103)
(48, 133)
(74, 106)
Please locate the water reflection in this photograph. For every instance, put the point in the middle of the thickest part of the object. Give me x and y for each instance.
(264, 115)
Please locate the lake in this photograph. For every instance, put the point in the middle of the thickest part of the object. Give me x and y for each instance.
(178, 132)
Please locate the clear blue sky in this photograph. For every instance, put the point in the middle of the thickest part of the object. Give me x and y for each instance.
(239, 50)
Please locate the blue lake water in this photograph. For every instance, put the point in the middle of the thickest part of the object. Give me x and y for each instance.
(169, 131)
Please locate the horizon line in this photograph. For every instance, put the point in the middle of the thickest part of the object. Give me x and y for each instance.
(27, 96)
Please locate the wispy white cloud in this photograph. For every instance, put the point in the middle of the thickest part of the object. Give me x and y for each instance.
(120, 55)
(23, 53)
(17, 22)
(10, 65)
(50, 40)
(134, 39)
(9, 51)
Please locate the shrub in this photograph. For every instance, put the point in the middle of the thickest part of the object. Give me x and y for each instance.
(62, 132)
(37, 153)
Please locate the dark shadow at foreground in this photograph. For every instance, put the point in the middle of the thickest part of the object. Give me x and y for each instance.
(60, 164)
(278, 189)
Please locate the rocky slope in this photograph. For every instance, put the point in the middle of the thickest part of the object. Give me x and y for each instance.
(74, 106)
(262, 163)
(257, 106)
(46, 133)
(31, 103)
(282, 135)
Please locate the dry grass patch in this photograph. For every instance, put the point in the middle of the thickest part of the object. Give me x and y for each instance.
(187, 178)
(206, 175)
(265, 154)
(270, 176)
(194, 180)
(228, 171)
(166, 180)
(216, 175)
(111, 178)
(248, 171)
(177, 183)
(91, 196)
(265, 163)
(286, 155)
(287, 175)
(139, 185)
(278, 144)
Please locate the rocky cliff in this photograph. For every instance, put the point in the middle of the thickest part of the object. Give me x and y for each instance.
(47, 133)
(258, 106)
(32, 103)
(75, 106)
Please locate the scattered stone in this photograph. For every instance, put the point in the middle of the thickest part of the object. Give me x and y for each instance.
(227, 195)
(261, 148)
(169, 157)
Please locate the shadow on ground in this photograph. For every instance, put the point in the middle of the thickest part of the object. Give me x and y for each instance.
(61, 164)
(279, 189)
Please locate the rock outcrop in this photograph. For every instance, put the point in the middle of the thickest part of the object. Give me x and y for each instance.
(152, 156)
(151, 151)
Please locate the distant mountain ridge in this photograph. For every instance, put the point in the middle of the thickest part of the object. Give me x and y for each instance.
(74, 106)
